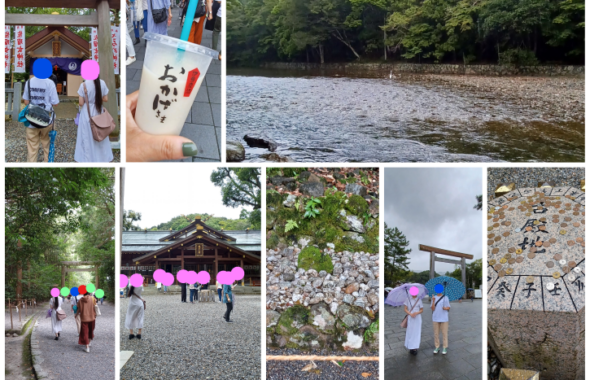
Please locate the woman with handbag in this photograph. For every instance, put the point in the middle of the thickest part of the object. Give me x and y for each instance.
(204, 11)
(87, 315)
(135, 309)
(160, 9)
(92, 95)
(413, 308)
(55, 305)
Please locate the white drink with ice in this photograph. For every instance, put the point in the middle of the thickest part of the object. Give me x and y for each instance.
(170, 81)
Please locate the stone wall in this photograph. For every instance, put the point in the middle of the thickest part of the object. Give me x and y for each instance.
(334, 308)
(384, 69)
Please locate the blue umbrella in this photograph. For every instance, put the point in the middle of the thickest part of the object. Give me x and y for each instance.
(453, 288)
(399, 295)
(52, 135)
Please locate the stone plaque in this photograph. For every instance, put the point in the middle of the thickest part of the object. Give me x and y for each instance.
(536, 280)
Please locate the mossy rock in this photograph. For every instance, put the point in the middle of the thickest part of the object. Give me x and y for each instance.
(357, 205)
(292, 320)
(274, 199)
(272, 240)
(312, 258)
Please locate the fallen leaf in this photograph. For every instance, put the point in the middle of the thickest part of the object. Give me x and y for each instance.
(309, 367)
(365, 374)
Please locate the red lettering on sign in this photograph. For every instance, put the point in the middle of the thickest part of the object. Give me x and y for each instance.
(193, 77)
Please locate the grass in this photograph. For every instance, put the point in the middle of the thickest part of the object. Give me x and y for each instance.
(27, 363)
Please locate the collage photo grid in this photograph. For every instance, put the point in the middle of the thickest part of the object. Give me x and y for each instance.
(315, 190)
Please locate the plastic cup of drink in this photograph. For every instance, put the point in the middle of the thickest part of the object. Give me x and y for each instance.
(173, 71)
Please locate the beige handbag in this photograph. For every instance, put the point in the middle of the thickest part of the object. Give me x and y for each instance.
(97, 310)
(60, 315)
(404, 324)
(102, 125)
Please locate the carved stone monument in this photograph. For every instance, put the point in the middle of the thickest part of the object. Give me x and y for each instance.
(536, 280)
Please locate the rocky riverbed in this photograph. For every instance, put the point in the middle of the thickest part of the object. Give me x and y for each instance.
(408, 118)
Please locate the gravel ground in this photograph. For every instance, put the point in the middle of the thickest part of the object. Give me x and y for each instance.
(65, 142)
(529, 177)
(556, 98)
(283, 370)
(192, 341)
(65, 359)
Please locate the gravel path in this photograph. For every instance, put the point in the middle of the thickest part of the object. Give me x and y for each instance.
(326, 370)
(65, 142)
(64, 359)
(529, 177)
(192, 341)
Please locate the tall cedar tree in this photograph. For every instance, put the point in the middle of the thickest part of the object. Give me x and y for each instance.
(396, 254)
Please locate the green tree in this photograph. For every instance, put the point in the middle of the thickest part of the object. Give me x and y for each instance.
(240, 187)
(43, 208)
(478, 206)
(473, 274)
(396, 254)
(129, 219)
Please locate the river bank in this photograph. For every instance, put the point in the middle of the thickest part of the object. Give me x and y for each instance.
(408, 117)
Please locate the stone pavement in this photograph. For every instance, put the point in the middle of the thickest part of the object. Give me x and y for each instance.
(192, 341)
(203, 123)
(64, 359)
(463, 360)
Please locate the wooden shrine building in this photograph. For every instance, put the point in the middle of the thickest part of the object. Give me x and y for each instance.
(196, 247)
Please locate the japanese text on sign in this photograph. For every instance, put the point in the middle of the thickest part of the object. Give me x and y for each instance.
(19, 49)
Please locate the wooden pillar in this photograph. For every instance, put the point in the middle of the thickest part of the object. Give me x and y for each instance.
(432, 265)
(105, 53)
(97, 284)
(463, 276)
(215, 270)
(182, 259)
(63, 276)
(242, 266)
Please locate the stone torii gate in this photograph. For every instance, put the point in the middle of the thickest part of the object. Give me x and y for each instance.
(433, 258)
(100, 19)
(64, 270)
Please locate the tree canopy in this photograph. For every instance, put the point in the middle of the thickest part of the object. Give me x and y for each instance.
(218, 223)
(459, 31)
(396, 255)
(53, 215)
(240, 187)
(473, 274)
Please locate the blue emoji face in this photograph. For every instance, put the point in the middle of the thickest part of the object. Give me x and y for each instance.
(438, 288)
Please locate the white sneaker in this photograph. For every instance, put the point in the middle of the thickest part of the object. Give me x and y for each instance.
(87, 349)
(130, 60)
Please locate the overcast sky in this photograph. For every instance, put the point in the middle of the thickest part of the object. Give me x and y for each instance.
(435, 207)
(161, 192)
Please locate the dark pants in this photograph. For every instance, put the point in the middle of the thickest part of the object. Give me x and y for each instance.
(230, 307)
(192, 294)
(183, 295)
(86, 333)
(219, 293)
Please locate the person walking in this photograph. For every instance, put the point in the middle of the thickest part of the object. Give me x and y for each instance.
(130, 49)
(191, 288)
(413, 308)
(198, 24)
(133, 18)
(87, 315)
(159, 286)
(76, 299)
(183, 292)
(144, 6)
(91, 95)
(219, 289)
(135, 310)
(55, 305)
(162, 27)
(43, 93)
(228, 301)
(440, 319)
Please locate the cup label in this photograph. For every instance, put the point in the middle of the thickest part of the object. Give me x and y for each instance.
(193, 77)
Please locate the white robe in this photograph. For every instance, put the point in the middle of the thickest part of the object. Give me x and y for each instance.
(414, 330)
(55, 324)
(134, 317)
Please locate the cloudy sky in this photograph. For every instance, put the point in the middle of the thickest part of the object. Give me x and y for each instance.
(435, 207)
(161, 192)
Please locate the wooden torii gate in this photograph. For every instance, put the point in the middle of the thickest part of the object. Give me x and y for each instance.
(101, 19)
(433, 258)
(64, 270)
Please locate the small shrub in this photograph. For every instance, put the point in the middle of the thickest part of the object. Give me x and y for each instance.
(313, 258)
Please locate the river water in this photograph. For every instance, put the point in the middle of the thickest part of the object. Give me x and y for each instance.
(402, 119)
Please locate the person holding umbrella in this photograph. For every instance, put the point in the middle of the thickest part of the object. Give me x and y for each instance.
(413, 307)
(440, 318)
